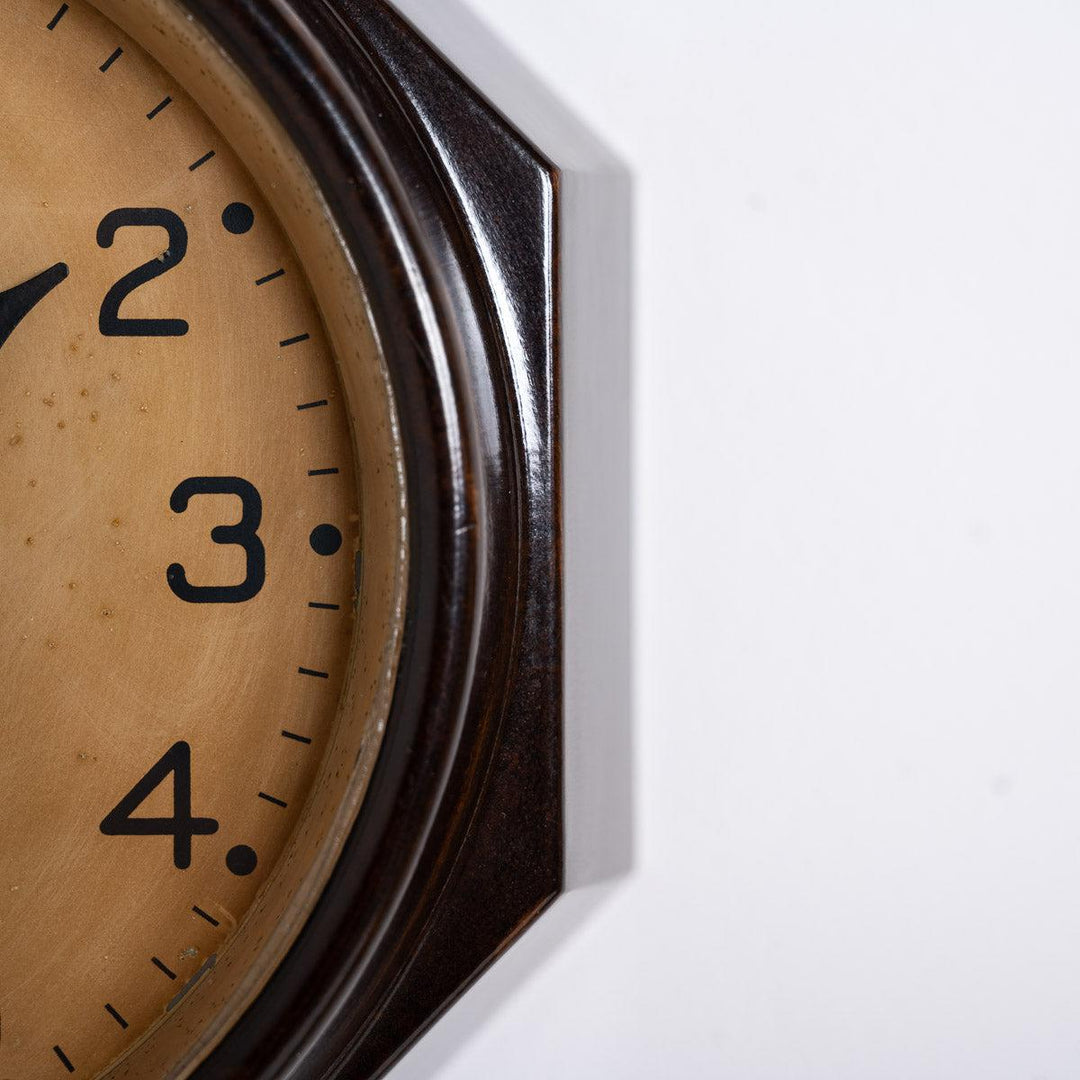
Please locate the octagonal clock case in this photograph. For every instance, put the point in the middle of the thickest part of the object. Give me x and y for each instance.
(313, 599)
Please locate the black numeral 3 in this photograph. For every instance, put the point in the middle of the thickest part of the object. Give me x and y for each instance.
(244, 534)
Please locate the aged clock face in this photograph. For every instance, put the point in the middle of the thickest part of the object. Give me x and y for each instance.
(190, 540)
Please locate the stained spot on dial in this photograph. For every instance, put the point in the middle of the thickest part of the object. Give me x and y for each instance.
(241, 860)
(238, 218)
(325, 540)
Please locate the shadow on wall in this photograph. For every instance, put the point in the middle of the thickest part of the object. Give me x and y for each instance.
(595, 274)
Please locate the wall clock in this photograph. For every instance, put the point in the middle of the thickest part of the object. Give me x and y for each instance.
(282, 608)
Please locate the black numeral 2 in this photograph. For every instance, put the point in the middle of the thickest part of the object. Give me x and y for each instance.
(181, 826)
(109, 321)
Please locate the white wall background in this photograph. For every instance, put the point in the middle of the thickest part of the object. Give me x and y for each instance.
(858, 551)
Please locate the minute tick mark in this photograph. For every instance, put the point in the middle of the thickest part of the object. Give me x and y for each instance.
(202, 161)
(270, 277)
(294, 340)
(322, 472)
(58, 16)
(64, 1059)
(162, 968)
(314, 674)
(112, 60)
(116, 1016)
(158, 108)
(203, 915)
(271, 799)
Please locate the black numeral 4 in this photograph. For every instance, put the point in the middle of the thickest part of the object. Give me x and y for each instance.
(181, 826)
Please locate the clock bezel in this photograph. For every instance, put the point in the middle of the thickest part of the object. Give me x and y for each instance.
(458, 843)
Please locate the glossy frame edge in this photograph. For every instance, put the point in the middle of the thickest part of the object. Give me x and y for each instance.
(594, 210)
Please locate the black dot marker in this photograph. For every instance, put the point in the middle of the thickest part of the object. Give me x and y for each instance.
(326, 540)
(238, 218)
(241, 860)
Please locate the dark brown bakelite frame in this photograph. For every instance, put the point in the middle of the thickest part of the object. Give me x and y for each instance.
(450, 216)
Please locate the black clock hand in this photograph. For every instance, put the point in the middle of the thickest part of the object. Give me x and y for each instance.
(18, 302)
